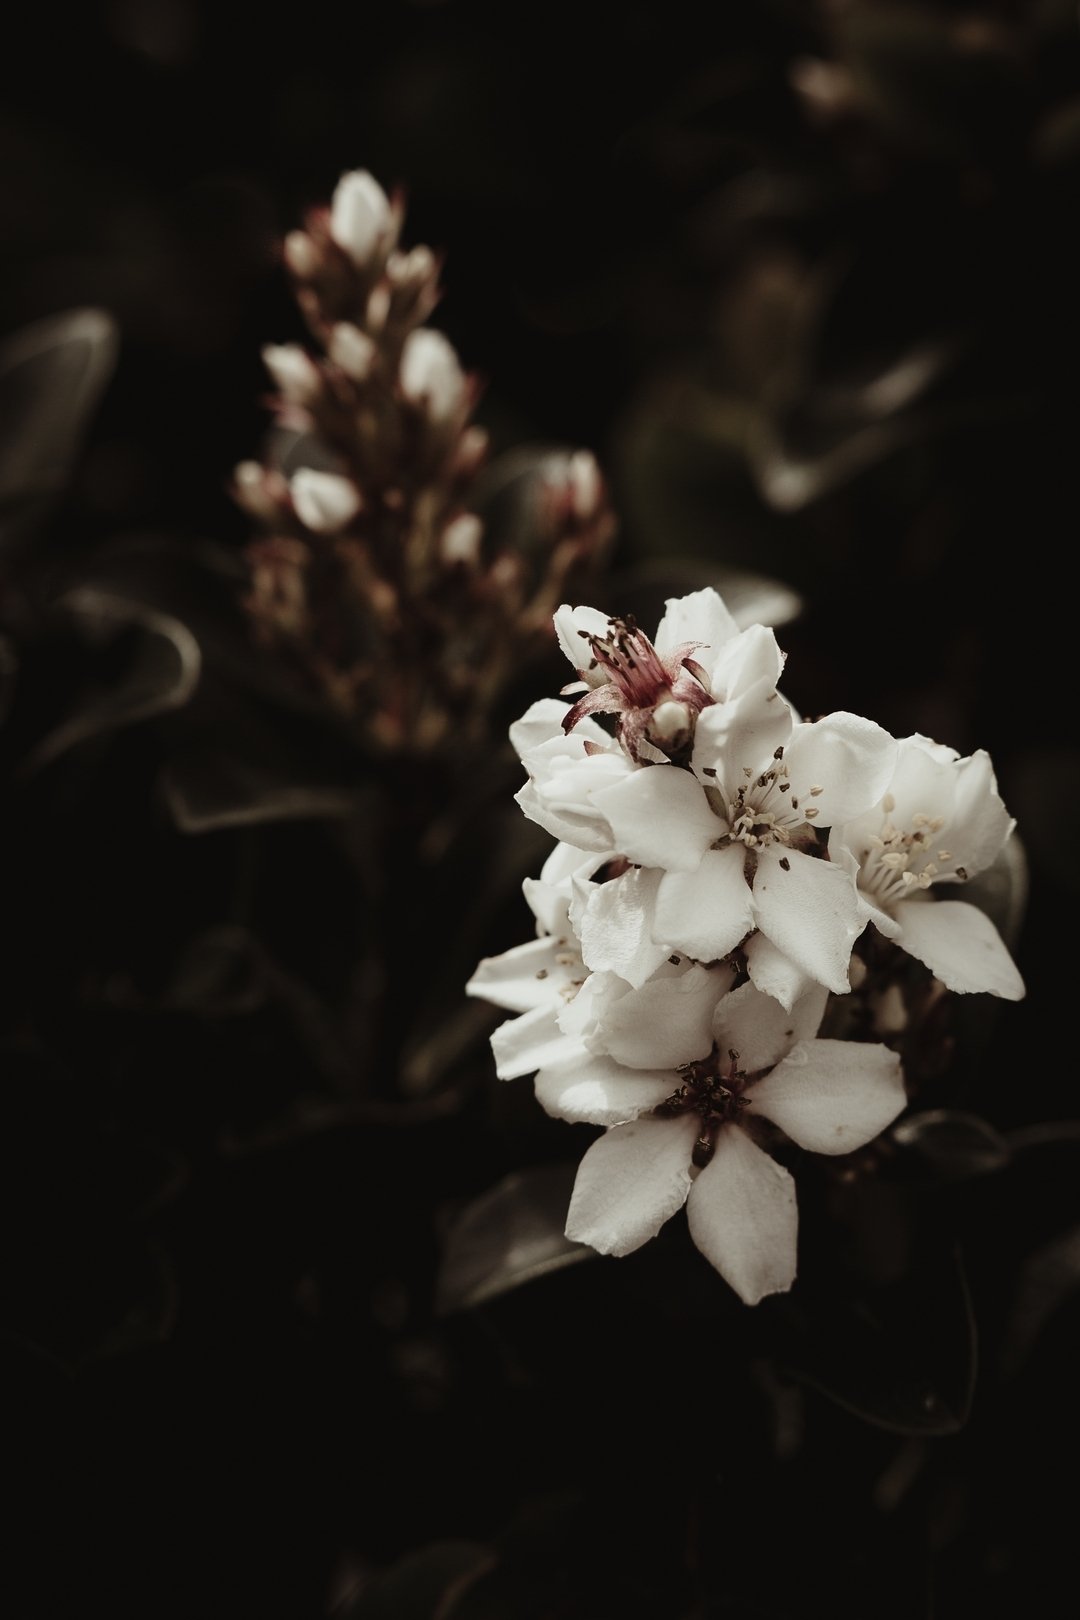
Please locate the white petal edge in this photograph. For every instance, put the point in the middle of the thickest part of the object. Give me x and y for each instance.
(743, 1217)
(630, 1182)
(832, 1096)
(960, 946)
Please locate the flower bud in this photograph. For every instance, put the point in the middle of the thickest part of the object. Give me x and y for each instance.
(352, 350)
(583, 476)
(294, 372)
(431, 375)
(301, 255)
(670, 726)
(460, 542)
(324, 502)
(360, 216)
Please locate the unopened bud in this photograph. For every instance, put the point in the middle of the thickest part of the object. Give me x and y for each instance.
(378, 307)
(360, 216)
(583, 476)
(301, 255)
(324, 502)
(294, 372)
(431, 375)
(460, 542)
(251, 491)
(352, 350)
(412, 268)
(471, 450)
(670, 725)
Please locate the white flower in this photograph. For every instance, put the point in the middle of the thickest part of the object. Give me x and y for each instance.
(940, 822)
(431, 374)
(729, 853)
(689, 1134)
(352, 350)
(361, 218)
(324, 502)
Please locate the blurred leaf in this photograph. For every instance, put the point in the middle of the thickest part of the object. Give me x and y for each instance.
(52, 374)
(936, 85)
(420, 1586)
(161, 673)
(951, 1145)
(1048, 1279)
(902, 1357)
(511, 1235)
(241, 764)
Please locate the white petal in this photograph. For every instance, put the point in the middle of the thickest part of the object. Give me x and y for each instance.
(630, 1182)
(541, 723)
(772, 972)
(615, 925)
(569, 621)
(743, 1217)
(527, 976)
(702, 617)
(525, 1044)
(832, 1096)
(960, 946)
(706, 912)
(810, 910)
(762, 1031)
(561, 797)
(980, 822)
(750, 719)
(659, 816)
(548, 896)
(667, 1022)
(600, 1091)
(849, 758)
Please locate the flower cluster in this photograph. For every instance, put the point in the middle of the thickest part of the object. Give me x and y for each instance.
(374, 572)
(726, 880)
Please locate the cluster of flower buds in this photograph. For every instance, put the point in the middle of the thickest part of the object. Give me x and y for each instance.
(742, 914)
(372, 571)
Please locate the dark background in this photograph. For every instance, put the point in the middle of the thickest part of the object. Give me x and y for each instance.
(819, 324)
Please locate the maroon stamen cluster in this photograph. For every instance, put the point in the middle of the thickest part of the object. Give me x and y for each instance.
(642, 680)
(717, 1097)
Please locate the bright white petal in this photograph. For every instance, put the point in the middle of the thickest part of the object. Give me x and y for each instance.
(702, 617)
(527, 976)
(762, 1031)
(750, 719)
(810, 910)
(600, 1091)
(849, 758)
(832, 1096)
(659, 816)
(960, 946)
(980, 822)
(743, 1217)
(615, 925)
(667, 1022)
(527, 1043)
(630, 1182)
(773, 973)
(707, 912)
(570, 622)
(539, 724)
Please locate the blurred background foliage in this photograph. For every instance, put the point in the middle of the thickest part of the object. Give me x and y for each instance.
(288, 1326)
